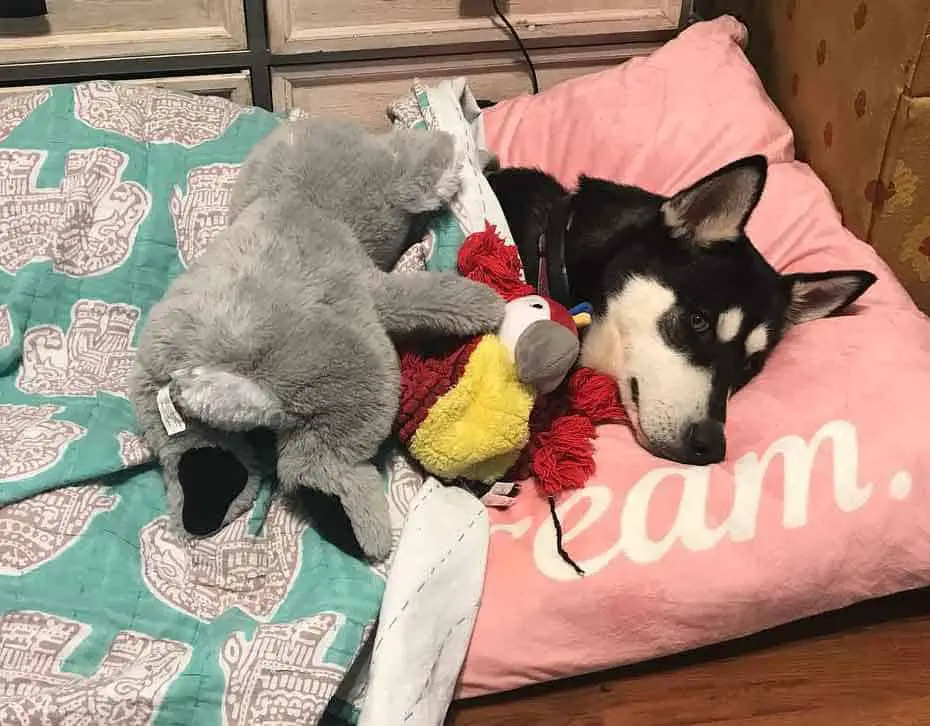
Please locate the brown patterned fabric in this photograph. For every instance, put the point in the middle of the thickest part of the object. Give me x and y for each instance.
(853, 79)
(901, 227)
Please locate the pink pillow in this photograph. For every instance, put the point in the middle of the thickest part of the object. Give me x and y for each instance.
(824, 498)
(654, 120)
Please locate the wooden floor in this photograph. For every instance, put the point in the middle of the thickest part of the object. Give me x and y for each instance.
(866, 666)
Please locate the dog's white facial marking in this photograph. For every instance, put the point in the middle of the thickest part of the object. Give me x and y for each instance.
(728, 324)
(757, 339)
(602, 349)
(626, 343)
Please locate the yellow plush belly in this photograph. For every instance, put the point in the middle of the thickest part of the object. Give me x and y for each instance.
(479, 427)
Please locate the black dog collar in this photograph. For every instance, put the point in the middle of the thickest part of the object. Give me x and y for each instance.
(550, 249)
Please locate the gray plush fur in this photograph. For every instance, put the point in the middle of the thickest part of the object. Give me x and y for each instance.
(376, 184)
(286, 320)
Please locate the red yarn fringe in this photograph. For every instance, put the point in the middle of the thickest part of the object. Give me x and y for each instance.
(484, 257)
(560, 454)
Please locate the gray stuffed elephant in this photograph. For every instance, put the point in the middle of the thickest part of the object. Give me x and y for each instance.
(284, 327)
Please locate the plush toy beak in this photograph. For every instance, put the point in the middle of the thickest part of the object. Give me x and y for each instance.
(581, 315)
(544, 354)
(582, 320)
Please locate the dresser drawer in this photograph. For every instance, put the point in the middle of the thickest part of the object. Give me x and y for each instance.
(297, 26)
(236, 87)
(364, 90)
(103, 28)
(233, 86)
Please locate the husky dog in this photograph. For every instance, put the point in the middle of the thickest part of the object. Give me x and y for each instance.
(686, 310)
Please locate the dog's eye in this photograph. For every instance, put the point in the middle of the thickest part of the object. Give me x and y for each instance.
(699, 323)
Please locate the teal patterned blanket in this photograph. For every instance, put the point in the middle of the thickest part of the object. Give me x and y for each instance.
(107, 191)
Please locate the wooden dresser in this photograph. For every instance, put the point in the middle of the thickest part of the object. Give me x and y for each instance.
(327, 56)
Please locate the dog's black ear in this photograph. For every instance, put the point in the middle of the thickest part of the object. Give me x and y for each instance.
(815, 295)
(716, 208)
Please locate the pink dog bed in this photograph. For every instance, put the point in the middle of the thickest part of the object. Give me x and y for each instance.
(824, 498)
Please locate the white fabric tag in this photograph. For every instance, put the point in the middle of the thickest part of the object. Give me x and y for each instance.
(170, 418)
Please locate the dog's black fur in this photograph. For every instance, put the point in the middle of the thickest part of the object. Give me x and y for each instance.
(694, 245)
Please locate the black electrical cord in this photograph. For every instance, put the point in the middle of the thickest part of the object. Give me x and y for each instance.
(519, 42)
(558, 539)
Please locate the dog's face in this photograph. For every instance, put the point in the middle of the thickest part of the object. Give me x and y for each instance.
(686, 310)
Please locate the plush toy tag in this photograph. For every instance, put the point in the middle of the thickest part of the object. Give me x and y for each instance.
(170, 418)
(501, 496)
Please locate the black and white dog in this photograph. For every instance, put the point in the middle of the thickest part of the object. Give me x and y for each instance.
(686, 310)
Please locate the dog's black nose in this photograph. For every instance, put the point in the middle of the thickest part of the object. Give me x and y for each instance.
(705, 442)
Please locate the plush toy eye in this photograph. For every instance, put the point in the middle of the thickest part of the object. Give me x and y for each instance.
(699, 323)
(537, 306)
